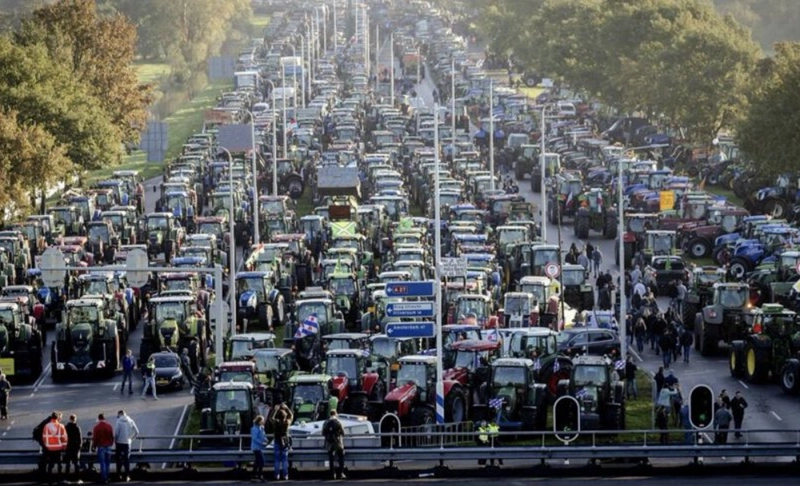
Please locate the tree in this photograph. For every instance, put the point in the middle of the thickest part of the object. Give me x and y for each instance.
(100, 52)
(45, 94)
(30, 158)
(770, 131)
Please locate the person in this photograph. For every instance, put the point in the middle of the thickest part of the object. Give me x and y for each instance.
(5, 392)
(686, 423)
(662, 422)
(54, 439)
(186, 366)
(687, 341)
(630, 378)
(72, 457)
(640, 333)
(583, 261)
(149, 374)
(281, 420)
(102, 441)
(37, 436)
(597, 259)
(636, 275)
(738, 405)
(659, 379)
(680, 297)
(722, 422)
(258, 442)
(128, 365)
(666, 396)
(125, 431)
(334, 441)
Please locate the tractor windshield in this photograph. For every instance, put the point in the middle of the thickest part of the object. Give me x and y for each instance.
(467, 307)
(337, 365)
(157, 223)
(511, 236)
(574, 277)
(308, 393)
(83, 314)
(305, 311)
(97, 287)
(384, 348)
(273, 206)
(178, 284)
(98, 232)
(232, 400)
(733, 297)
(267, 362)
(62, 216)
(210, 228)
(239, 376)
(539, 291)
(541, 257)
(170, 310)
(6, 317)
(661, 243)
(342, 286)
(471, 359)
(311, 226)
(517, 305)
(589, 375)
(502, 206)
(509, 375)
(416, 373)
(251, 284)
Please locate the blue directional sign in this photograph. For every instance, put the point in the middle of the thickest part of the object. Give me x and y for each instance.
(410, 329)
(410, 289)
(409, 309)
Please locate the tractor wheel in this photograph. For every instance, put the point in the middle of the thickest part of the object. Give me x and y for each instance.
(736, 359)
(790, 377)
(263, 316)
(756, 363)
(279, 311)
(581, 227)
(531, 81)
(610, 228)
(739, 268)
(689, 313)
(709, 339)
(423, 416)
(455, 407)
(775, 208)
(699, 248)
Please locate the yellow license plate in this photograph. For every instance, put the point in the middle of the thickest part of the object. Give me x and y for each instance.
(162, 382)
(7, 365)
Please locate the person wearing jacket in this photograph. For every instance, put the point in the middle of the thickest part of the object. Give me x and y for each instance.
(54, 442)
(128, 365)
(258, 442)
(281, 420)
(74, 442)
(102, 441)
(125, 431)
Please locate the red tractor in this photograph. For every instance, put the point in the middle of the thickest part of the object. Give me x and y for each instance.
(414, 398)
(472, 367)
(359, 388)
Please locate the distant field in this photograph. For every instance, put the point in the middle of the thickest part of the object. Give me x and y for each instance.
(148, 72)
(259, 23)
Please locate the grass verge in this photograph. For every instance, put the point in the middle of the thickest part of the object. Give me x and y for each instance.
(259, 22)
(727, 194)
(151, 72)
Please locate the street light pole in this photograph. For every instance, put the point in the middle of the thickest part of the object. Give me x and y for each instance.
(623, 304)
(335, 29)
(542, 160)
(391, 68)
(274, 142)
(232, 249)
(438, 254)
(377, 69)
(491, 131)
(283, 120)
(294, 75)
(453, 102)
(303, 67)
(256, 215)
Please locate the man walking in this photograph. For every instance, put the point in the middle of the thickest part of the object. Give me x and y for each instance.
(54, 440)
(186, 366)
(738, 405)
(74, 441)
(125, 431)
(687, 341)
(102, 440)
(149, 374)
(334, 440)
(630, 378)
(5, 392)
(597, 259)
(128, 365)
(722, 422)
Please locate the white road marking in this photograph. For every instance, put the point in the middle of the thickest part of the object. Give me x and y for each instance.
(776, 415)
(177, 431)
(116, 386)
(744, 385)
(40, 380)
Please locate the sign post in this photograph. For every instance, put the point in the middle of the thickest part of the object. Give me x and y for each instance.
(552, 270)
(409, 309)
(453, 267)
(567, 419)
(438, 258)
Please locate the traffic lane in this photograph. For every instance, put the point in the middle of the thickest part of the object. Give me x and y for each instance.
(151, 193)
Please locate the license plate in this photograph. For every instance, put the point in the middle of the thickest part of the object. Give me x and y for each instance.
(162, 382)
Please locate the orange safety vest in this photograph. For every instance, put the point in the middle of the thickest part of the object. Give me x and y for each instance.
(54, 436)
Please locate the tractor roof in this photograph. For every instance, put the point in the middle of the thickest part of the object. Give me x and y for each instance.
(419, 358)
(512, 362)
(272, 352)
(358, 353)
(309, 379)
(172, 298)
(233, 386)
(476, 345)
(589, 361)
(254, 336)
(346, 336)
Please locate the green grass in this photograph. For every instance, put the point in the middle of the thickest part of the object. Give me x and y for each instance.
(259, 22)
(726, 193)
(151, 72)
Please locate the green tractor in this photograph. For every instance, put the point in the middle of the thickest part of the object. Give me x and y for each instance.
(770, 350)
(20, 345)
(231, 410)
(723, 317)
(164, 234)
(595, 212)
(173, 325)
(348, 291)
(578, 293)
(522, 401)
(700, 291)
(86, 342)
(601, 397)
(310, 397)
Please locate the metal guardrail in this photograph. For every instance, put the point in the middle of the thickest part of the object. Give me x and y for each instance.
(440, 447)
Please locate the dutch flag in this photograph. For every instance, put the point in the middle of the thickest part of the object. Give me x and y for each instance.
(496, 402)
(619, 365)
(493, 335)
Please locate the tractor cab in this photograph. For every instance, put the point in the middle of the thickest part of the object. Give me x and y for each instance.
(659, 242)
(578, 293)
(244, 346)
(539, 287)
(517, 309)
(231, 411)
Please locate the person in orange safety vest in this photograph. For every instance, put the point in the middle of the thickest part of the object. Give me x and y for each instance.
(54, 442)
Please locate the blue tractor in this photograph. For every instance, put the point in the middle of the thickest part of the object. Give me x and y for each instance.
(257, 298)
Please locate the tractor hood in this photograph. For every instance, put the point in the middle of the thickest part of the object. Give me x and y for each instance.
(248, 298)
(340, 387)
(402, 393)
(461, 375)
(168, 333)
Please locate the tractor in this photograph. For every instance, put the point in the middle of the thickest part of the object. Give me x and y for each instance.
(85, 341)
(595, 213)
(563, 200)
(163, 235)
(471, 367)
(659, 243)
(258, 299)
(541, 346)
(770, 349)
(723, 317)
(578, 293)
(312, 319)
(173, 325)
(515, 400)
(274, 367)
(601, 398)
(244, 346)
(700, 289)
(231, 410)
(310, 397)
(517, 309)
(67, 221)
(103, 240)
(552, 166)
(347, 289)
(20, 345)
(358, 388)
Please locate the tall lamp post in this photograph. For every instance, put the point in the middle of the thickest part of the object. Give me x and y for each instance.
(542, 161)
(335, 29)
(253, 160)
(303, 67)
(232, 256)
(274, 142)
(491, 131)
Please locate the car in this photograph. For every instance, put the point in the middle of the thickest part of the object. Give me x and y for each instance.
(168, 370)
(583, 340)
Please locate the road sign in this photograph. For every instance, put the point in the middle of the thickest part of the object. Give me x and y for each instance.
(409, 309)
(453, 267)
(410, 329)
(53, 268)
(136, 259)
(567, 418)
(552, 270)
(666, 200)
(410, 289)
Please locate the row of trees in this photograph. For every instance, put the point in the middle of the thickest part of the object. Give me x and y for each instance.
(69, 95)
(677, 60)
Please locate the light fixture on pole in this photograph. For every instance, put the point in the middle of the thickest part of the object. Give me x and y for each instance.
(438, 258)
(491, 132)
(232, 249)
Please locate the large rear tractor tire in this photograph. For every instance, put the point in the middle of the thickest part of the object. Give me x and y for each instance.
(756, 363)
(736, 360)
(455, 406)
(790, 377)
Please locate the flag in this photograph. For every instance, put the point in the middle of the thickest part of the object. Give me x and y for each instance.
(582, 393)
(619, 365)
(537, 365)
(493, 335)
(496, 402)
(569, 199)
(308, 327)
(702, 185)
(556, 366)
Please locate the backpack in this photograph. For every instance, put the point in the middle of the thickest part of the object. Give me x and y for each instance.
(330, 431)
